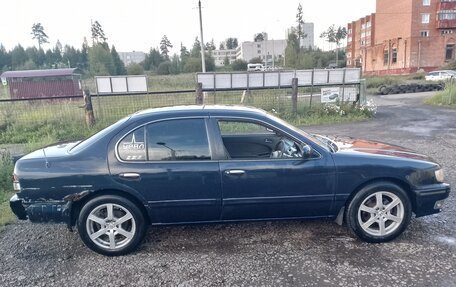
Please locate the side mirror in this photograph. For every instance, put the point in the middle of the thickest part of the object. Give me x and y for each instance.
(307, 151)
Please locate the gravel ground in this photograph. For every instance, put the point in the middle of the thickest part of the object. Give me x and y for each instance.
(297, 253)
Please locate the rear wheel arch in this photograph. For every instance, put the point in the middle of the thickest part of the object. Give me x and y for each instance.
(78, 205)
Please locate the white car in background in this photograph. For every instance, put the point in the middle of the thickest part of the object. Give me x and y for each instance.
(440, 75)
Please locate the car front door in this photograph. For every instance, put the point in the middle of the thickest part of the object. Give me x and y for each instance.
(277, 186)
(169, 162)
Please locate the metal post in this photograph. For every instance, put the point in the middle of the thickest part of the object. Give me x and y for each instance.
(294, 95)
(203, 60)
(88, 109)
(199, 94)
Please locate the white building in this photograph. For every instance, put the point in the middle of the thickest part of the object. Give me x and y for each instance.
(272, 50)
(221, 55)
(308, 41)
(132, 57)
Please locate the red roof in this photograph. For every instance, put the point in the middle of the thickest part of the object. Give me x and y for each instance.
(41, 73)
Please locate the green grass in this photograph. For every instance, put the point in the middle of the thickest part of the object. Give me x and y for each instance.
(446, 98)
(6, 170)
(6, 215)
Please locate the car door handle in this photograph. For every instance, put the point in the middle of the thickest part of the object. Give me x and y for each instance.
(130, 176)
(268, 141)
(234, 172)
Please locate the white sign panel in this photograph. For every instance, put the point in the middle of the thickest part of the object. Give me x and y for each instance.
(239, 81)
(137, 84)
(334, 94)
(104, 85)
(121, 84)
(4, 82)
(330, 95)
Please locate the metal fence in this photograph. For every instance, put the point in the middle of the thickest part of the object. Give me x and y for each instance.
(32, 120)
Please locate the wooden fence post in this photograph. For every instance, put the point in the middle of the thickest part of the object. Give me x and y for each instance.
(199, 94)
(294, 95)
(88, 109)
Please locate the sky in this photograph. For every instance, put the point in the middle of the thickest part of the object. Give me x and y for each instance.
(138, 25)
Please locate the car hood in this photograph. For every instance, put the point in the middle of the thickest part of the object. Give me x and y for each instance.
(348, 144)
(55, 150)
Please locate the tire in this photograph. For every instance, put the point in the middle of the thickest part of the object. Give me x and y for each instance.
(365, 215)
(111, 225)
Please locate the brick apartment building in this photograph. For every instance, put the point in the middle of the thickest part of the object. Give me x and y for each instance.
(403, 36)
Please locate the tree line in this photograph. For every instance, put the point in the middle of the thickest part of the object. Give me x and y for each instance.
(99, 58)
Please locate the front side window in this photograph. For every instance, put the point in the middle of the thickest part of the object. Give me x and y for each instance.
(174, 140)
(247, 140)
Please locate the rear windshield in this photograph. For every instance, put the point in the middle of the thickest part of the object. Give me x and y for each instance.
(96, 137)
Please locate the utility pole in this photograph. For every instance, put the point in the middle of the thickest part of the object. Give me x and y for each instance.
(203, 60)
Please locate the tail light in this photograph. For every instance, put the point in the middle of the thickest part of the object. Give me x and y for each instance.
(16, 184)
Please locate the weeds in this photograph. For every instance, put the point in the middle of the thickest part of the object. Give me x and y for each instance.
(447, 97)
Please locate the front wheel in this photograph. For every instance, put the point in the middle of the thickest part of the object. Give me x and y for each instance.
(111, 225)
(379, 212)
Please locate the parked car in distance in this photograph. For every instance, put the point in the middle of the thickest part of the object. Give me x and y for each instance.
(221, 164)
(255, 67)
(440, 75)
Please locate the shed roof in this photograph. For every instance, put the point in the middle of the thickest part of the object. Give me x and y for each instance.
(40, 73)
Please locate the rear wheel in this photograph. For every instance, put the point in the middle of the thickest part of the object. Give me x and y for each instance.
(111, 225)
(379, 212)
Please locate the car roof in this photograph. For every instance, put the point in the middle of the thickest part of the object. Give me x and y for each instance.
(200, 110)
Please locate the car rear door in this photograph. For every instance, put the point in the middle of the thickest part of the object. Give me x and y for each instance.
(169, 162)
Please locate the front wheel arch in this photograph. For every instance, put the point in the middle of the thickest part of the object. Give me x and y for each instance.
(395, 204)
(402, 184)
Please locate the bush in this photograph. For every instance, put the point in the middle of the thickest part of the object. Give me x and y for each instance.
(135, 69)
(164, 68)
(447, 97)
(239, 65)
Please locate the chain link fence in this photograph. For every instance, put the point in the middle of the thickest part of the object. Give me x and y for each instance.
(50, 120)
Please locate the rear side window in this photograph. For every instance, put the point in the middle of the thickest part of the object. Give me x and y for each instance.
(174, 140)
(133, 146)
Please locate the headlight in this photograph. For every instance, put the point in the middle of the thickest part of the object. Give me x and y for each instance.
(439, 176)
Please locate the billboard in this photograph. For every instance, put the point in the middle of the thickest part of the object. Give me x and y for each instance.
(121, 84)
(278, 79)
(338, 94)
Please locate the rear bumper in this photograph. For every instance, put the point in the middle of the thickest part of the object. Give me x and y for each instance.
(41, 211)
(17, 207)
(427, 197)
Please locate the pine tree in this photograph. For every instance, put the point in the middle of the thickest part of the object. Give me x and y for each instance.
(165, 45)
(39, 34)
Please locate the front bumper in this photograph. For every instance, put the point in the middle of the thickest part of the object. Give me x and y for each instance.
(426, 198)
(58, 212)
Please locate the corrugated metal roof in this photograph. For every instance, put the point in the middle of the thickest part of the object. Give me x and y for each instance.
(40, 73)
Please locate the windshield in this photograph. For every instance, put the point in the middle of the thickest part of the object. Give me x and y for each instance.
(89, 141)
